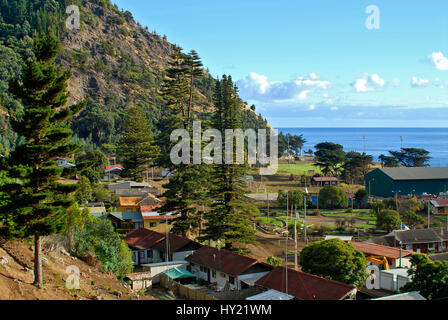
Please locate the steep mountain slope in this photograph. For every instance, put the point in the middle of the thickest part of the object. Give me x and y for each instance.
(115, 63)
(16, 277)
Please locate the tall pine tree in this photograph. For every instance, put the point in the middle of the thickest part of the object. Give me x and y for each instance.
(229, 219)
(188, 183)
(37, 203)
(136, 148)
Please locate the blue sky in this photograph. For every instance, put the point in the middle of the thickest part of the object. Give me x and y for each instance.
(315, 63)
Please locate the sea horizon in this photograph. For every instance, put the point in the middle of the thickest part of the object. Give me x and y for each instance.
(379, 140)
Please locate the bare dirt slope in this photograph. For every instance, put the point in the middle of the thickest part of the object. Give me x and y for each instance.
(16, 276)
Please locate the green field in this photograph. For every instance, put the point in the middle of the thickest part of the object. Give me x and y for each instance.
(297, 168)
(271, 221)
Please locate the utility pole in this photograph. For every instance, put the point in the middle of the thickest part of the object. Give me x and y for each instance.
(304, 220)
(295, 240)
(429, 216)
(267, 199)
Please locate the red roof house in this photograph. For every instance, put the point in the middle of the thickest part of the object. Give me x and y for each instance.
(306, 286)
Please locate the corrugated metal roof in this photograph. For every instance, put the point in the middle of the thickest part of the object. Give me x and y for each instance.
(128, 215)
(305, 286)
(271, 295)
(404, 296)
(416, 173)
(177, 273)
(221, 260)
(417, 236)
(379, 250)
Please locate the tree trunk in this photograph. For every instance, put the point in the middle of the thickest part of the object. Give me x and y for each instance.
(38, 279)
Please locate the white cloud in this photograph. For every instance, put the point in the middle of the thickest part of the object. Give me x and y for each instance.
(419, 82)
(396, 82)
(369, 82)
(312, 107)
(439, 61)
(258, 87)
(360, 85)
(334, 108)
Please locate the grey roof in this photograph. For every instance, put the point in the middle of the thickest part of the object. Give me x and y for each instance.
(417, 236)
(442, 233)
(416, 173)
(128, 215)
(404, 296)
(439, 256)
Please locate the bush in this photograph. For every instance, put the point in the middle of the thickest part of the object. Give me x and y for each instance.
(99, 238)
(331, 197)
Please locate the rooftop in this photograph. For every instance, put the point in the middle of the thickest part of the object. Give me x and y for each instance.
(404, 296)
(380, 250)
(176, 243)
(128, 216)
(305, 286)
(143, 238)
(221, 260)
(416, 173)
(325, 179)
(417, 236)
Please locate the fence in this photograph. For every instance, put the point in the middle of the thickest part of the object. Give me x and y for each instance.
(187, 292)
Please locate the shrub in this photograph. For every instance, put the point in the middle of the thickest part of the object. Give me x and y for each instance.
(331, 197)
(99, 238)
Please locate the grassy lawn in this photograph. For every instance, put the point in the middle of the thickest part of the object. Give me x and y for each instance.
(365, 226)
(300, 168)
(271, 221)
(340, 215)
(367, 217)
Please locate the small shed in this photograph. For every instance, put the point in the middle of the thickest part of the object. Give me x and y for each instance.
(342, 238)
(140, 280)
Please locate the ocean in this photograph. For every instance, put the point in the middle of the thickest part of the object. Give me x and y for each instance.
(377, 141)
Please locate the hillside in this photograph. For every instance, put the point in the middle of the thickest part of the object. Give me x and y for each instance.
(16, 277)
(116, 63)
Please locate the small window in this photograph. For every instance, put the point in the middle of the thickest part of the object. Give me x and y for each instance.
(153, 225)
(149, 254)
(231, 280)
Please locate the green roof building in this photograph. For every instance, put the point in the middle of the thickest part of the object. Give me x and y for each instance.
(386, 182)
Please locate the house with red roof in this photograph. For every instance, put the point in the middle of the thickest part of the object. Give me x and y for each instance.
(152, 247)
(439, 206)
(305, 286)
(177, 248)
(141, 242)
(226, 269)
(395, 257)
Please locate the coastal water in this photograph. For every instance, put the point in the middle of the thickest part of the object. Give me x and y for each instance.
(377, 141)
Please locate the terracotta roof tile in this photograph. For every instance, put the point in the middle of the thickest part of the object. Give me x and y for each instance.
(304, 286)
(221, 260)
(379, 250)
(143, 238)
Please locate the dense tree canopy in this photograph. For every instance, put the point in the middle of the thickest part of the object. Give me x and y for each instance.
(329, 157)
(388, 220)
(37, 202)
(336, 260)
(408, 157)
(331, 197)
(430, 278)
